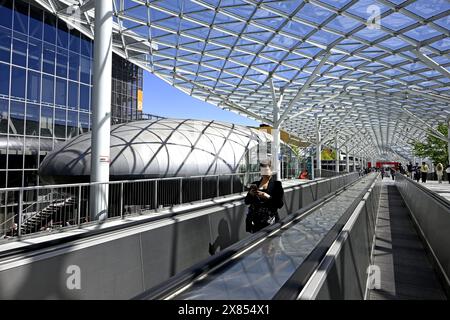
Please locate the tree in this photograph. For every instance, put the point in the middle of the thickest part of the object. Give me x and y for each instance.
(434, 148)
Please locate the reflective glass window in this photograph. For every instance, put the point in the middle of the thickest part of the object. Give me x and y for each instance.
(61, 92)
(34, 54)
(85, 69)
(47, 88)
(84, 122)
(36, 22)
(73, 94)
(61, 64)
(19, 52)
(74, 41)
(63, 34)
(2, 173)
(86, 46)
(46, 121)
(19, 76)
(21, 17)
(49, 28)
(6, 13)
(72, 124)
(34, 86)
(32, 119)
(60, 123)
(5, 45)
(74, 66)
(14, 177)
(84, 97)
(3, 116)
(4, 79)
(17, 115)
(48, 63)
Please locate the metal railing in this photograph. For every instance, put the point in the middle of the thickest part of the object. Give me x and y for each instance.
(327, 173)
(35, 209)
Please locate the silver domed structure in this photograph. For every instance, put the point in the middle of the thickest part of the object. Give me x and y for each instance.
(159, 148)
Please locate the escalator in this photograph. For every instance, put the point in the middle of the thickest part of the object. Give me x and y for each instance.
(272, 264)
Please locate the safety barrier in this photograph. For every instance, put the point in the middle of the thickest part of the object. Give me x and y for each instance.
(343, 272)
(126, 262)
(431, 214)
(37, 209)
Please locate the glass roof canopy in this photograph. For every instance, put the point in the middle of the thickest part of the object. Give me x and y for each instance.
(381, 81)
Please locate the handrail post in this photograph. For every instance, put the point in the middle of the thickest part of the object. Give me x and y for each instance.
(19, 230)
(231, 182)
(201, 188)
(79, 206)
(217, 186)
(181, 190)
(121, 200)
(156, 194)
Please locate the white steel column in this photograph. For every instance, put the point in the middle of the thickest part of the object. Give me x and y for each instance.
(354, 162)
(276, 152)
(337, 152)
(275, 149)
(347, 160)
(101, 109)
(318, 148)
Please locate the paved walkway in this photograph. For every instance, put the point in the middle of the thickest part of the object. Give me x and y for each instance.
(442, 189)
(406, 271)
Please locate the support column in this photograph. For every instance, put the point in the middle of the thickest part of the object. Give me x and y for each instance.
(276, 153)
(337, 152)
(275, 149)
(318, 148)
(101, 109)
(354, 162)
(313, 176)
(347, 160)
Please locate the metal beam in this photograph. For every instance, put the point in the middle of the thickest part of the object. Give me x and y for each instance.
(434, 132)
(336, 127)
(308, 82)
(430, 63)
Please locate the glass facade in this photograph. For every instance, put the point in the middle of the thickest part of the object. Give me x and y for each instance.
(45, 88)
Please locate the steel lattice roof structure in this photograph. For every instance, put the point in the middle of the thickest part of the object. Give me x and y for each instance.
(375, 71)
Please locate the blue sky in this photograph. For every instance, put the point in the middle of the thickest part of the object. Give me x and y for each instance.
(162, 99)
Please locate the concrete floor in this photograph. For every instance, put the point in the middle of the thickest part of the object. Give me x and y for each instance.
(443, 189)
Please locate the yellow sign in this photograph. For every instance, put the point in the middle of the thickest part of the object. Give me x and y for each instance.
(139, 100)
(286, 137)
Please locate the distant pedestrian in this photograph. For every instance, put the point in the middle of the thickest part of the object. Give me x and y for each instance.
(424, 172)
(439, 172)
(409, 167)
(417, 172)
(448, 173)
(392, 173)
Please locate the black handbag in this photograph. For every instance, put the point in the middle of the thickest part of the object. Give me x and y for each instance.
(259, 217)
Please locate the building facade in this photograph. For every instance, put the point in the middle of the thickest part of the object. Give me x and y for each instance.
(45, 88)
